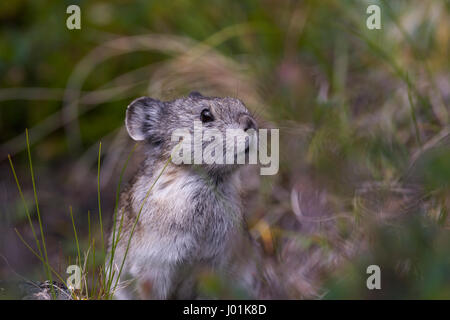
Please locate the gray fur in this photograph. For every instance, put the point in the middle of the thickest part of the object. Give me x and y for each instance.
(192, 219)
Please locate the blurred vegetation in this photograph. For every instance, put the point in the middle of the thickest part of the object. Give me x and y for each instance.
(363, 117)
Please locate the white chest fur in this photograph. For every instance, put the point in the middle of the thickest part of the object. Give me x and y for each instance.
(186, 218)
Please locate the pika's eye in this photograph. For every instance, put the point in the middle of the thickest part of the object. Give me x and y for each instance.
(206, 116)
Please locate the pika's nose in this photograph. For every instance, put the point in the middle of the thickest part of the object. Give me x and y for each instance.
(246, 122)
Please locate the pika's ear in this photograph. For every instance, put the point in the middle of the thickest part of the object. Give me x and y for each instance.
(142, 117)
(195, 94)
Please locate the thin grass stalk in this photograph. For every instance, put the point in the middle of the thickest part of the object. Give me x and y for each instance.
(26, 208)
(41, 259)
(114, 245)
(94, 284)
(49, 274)
(98, 196)
(414, 118)
(76, 237)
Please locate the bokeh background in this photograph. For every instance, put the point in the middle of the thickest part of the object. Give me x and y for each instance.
(363, 118)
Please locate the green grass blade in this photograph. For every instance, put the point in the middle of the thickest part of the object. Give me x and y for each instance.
(26, 207)
(94, 285)
(98, 196)
(76, 237)
(49, 274)
(37, 255)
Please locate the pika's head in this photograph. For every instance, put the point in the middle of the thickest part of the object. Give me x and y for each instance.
(216, 127)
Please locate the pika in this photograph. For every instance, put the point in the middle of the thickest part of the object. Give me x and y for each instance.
(192, 218)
